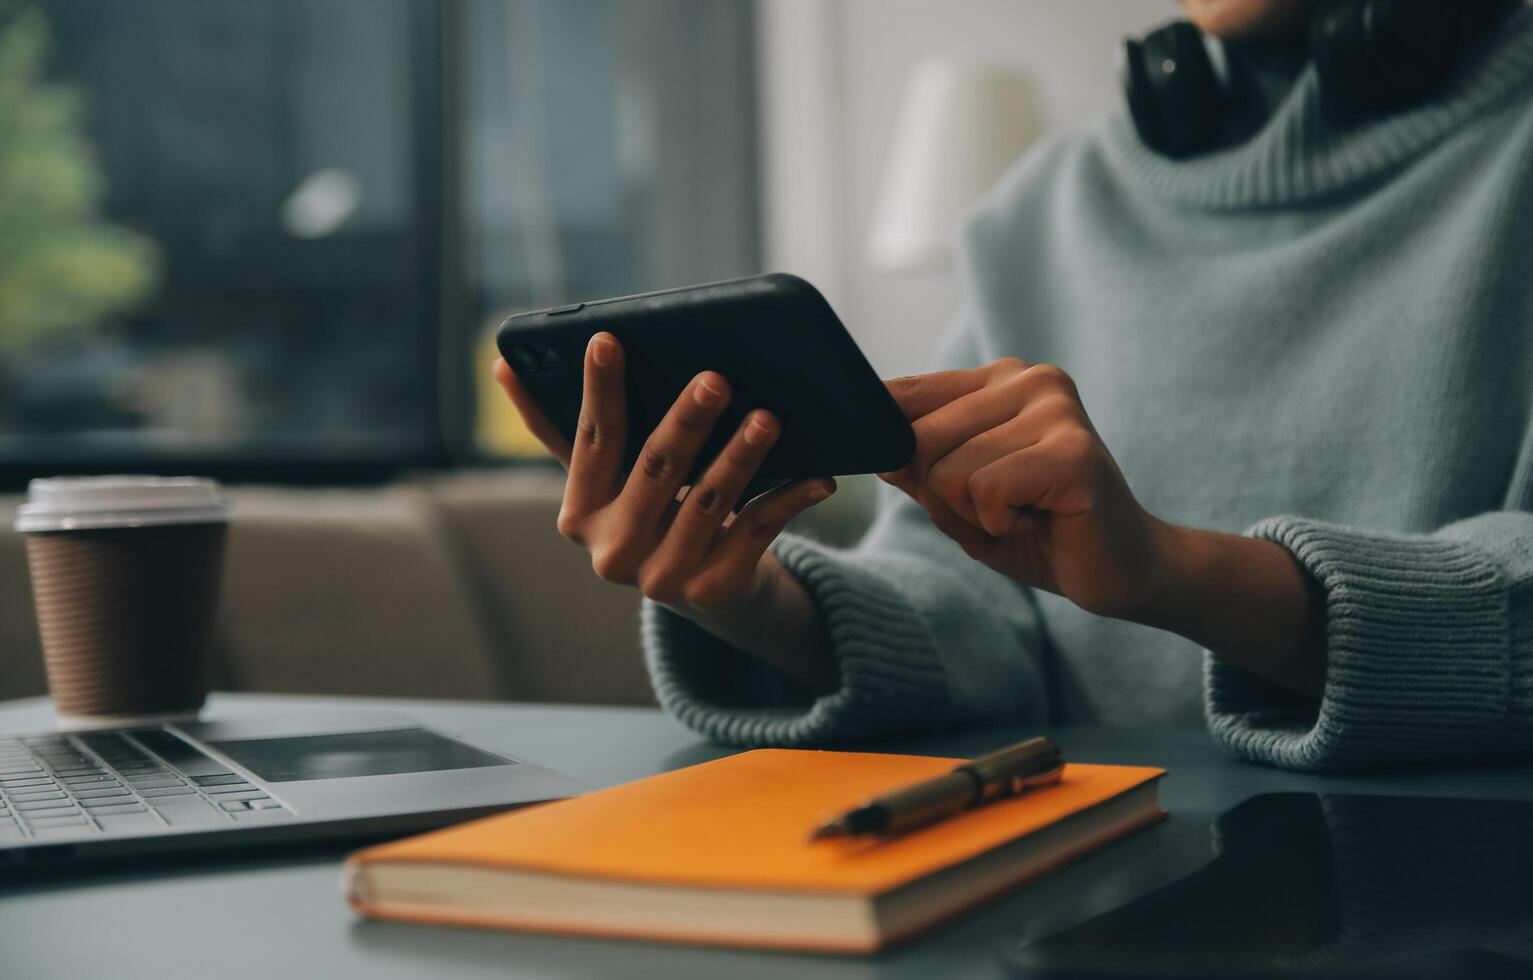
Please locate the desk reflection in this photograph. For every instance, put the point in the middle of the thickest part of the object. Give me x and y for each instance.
(1327, 886)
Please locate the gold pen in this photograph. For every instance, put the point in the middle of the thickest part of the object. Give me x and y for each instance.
(1009, 772)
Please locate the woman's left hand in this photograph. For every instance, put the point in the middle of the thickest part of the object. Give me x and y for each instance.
(1008, 465)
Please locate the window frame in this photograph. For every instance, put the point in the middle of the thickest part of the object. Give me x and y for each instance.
(448, 409)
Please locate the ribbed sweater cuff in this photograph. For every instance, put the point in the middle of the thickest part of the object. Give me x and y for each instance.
(1417, 643)
(891, 676)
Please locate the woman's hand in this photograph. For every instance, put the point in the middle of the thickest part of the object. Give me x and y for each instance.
(1008, 465)
(689, 550)
(692, 552)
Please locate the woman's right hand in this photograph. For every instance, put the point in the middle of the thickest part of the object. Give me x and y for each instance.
(692, 553)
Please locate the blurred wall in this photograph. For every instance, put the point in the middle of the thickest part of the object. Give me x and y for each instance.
(833, 74)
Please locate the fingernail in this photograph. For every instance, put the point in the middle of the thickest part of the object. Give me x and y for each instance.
(820, 491)
(601, 351)
(706, 394)
(756, 431)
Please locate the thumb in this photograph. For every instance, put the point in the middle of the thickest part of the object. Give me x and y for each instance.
(537, 423)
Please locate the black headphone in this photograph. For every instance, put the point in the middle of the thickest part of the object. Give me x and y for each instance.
(1373, 57)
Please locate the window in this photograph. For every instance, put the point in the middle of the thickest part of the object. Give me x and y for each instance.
(269, 239)
(612, 149)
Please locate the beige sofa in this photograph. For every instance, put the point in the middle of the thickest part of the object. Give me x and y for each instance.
(452, 586)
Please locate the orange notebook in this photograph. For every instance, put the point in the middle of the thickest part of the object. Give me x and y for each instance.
(717, 853)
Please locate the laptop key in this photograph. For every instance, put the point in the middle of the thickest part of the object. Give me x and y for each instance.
(246, 792)
(190, 813)
(233, 806)
(256, 816)
(159, 792)
(62, 820)
(231, 788)
(98, 802)
(46, 808)
(128, 823)
(102, 811)
(104, 792)
(74, 830)
(218, 779)
(265, 803)
(33, 792)
(105, 743)
(154, 782)
(37, 801)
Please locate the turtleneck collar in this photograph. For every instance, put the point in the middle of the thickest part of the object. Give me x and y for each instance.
(1294, 148)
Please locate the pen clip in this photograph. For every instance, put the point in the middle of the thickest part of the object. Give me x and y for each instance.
(1014, 770)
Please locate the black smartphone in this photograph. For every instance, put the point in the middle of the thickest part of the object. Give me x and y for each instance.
(773, 337)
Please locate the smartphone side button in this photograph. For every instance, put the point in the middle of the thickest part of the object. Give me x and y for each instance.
(561, 310)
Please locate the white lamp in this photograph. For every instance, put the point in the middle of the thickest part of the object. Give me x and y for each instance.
(960, 128)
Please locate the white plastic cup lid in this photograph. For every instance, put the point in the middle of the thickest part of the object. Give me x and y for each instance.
(96, 502)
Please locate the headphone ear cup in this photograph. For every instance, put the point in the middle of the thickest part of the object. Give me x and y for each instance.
(1381, 56)
(1369, 58)
(1173, 94)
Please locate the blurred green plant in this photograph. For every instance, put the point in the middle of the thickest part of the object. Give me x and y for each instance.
(61, 266)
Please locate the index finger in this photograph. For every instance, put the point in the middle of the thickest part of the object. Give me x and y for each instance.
(601, 431)
(922, 394)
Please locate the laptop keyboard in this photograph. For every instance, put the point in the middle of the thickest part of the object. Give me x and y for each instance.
(146, 780)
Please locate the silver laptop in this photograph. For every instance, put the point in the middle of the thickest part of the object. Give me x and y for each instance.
(73, 797)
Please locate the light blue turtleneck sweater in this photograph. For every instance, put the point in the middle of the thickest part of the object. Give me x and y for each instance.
(1320, 337)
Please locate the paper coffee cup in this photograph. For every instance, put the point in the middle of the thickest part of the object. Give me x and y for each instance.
(126, 573)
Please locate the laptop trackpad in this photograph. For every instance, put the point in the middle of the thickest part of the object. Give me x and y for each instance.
(342, 754)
